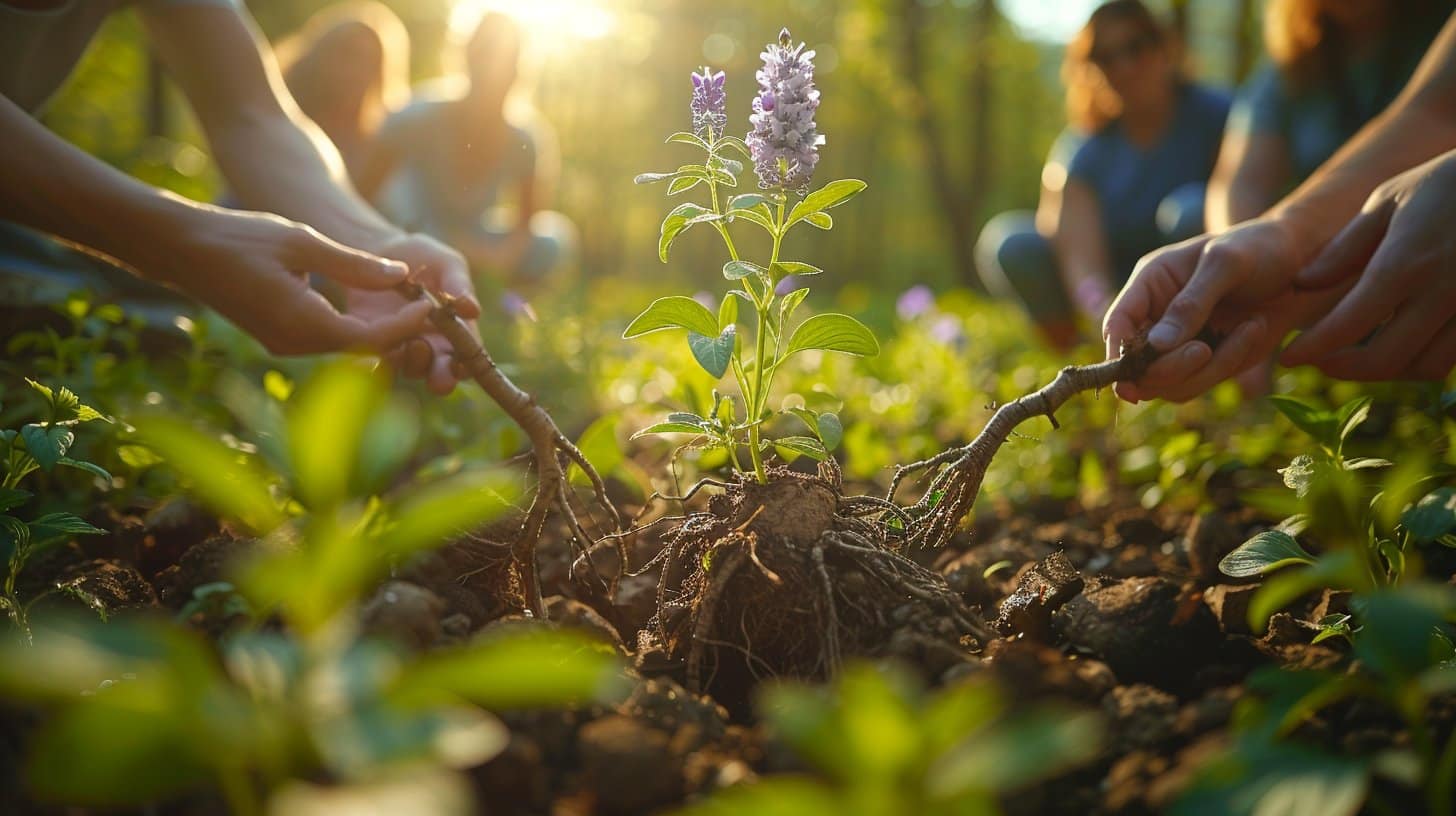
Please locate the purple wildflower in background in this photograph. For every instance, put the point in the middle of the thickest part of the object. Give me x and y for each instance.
(914, 302)
(785, 140)
(710, 104)
(789, 284)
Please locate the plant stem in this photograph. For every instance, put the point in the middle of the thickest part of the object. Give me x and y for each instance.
(757, 399)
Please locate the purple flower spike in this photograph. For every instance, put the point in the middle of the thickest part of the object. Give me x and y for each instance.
(785, 140)
(916, 301)
(710, 104)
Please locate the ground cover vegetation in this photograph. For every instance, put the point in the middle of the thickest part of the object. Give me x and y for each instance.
(865, 551)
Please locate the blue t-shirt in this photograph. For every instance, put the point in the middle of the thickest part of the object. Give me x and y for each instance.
(1315, 120)
(1131, 181)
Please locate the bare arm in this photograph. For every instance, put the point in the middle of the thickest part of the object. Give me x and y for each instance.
(1081, 245)
(1252, 170)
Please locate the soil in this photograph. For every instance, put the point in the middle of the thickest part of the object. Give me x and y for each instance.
(1123, 612)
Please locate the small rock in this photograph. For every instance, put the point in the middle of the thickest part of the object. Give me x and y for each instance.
(629, 765)
(574, 614)
(1211, 711)
(1041, 590)
(1135, 527)
(406, 613)
(1146, 629)
(1210, 537)
(209, 562)
(1229, 604)
(1030, 670)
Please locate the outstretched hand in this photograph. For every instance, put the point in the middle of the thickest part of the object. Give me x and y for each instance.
(1216, 306)
(1397, 260)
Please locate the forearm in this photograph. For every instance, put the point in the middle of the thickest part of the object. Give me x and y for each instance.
(1234, 201)
(53, 187)
(279, 165)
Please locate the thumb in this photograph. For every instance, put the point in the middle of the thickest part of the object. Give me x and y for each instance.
(351, 267)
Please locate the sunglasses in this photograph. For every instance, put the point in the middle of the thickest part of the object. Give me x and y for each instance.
(1130, 51)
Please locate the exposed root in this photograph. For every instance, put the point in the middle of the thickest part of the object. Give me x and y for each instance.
(960, 471)
(548, 444)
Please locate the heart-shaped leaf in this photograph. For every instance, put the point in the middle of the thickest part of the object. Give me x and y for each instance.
(1431, 517)
(714, 352)
(738, 270)
(47, 444)
(831, 431)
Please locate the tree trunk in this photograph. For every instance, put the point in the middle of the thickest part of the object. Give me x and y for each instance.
(954, 207)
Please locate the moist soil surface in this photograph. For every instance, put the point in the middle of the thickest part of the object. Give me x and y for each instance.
(1118, 610)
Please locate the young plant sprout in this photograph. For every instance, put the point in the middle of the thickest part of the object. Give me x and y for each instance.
(783, 145)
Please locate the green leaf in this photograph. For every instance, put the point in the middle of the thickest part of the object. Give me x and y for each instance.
(1352, 415)
(524, 668)
(682, 184)
(1320, 424)
(738, 270)
(326, 421)
(11, 498)
(1301, 474)
(89, 467)
(47, 444)
(1337, 570)
(1017, 752)
(830, 195)
(800, 446)
(670, 428)
(819, 220)
(432, 516)
(219, 476)
(1365, 463)
(14, 536)
(1399, 626)
(652, 178)
(598, 443)
(733, 142)
(673, 225)
(834, 332)
(1264, 553)
(746, 201)
(831, 431)
(683, 137)
(791, 302)
(783, 269)
(138, 456)
(714, 353)
(1432, 517)
(53, 525)
(728, 310)
(673, 312)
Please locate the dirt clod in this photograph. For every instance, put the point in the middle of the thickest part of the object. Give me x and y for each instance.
(107, 587)
(1142, 717)
(1210, 537)
(1146, 629)
(629, 765)
(1229, 604)
(1041, 591)
(405, 613)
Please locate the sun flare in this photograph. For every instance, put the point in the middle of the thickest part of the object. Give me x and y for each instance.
(551, 25)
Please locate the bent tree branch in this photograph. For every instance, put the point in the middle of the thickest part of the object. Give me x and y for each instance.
(955, 486)
(548, 444)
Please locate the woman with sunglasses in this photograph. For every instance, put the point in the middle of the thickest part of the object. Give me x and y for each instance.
(1136, 183)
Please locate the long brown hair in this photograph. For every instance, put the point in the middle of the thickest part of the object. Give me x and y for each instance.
(1091, 102)
(1304, 40)
(304, 55)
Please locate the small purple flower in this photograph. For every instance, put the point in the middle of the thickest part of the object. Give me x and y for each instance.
(916, 301)
(785, 140)
(710, 104)
(948, 330)
(517, 306)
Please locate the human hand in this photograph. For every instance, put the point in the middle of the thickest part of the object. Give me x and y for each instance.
(441, 270)
(1398, 261)
(1237, 287)
(253, 269)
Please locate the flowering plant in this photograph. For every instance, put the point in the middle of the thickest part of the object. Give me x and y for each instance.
(784, 147)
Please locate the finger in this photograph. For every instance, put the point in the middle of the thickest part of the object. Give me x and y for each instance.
(415, 358)
(446, 273)
(380, 335)
(1370, 303)
(1395, 347)
(1438, 358)
(1219, 269)
(1157, 280)
(1349, 252)
(1172, 368)
(441, 379)
(312, 252)
(1240, 350)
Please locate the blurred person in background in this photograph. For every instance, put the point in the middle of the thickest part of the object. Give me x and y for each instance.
(1360, 260)
(252, 267)
(348, 69)
(1135, 183)
(474, 166)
